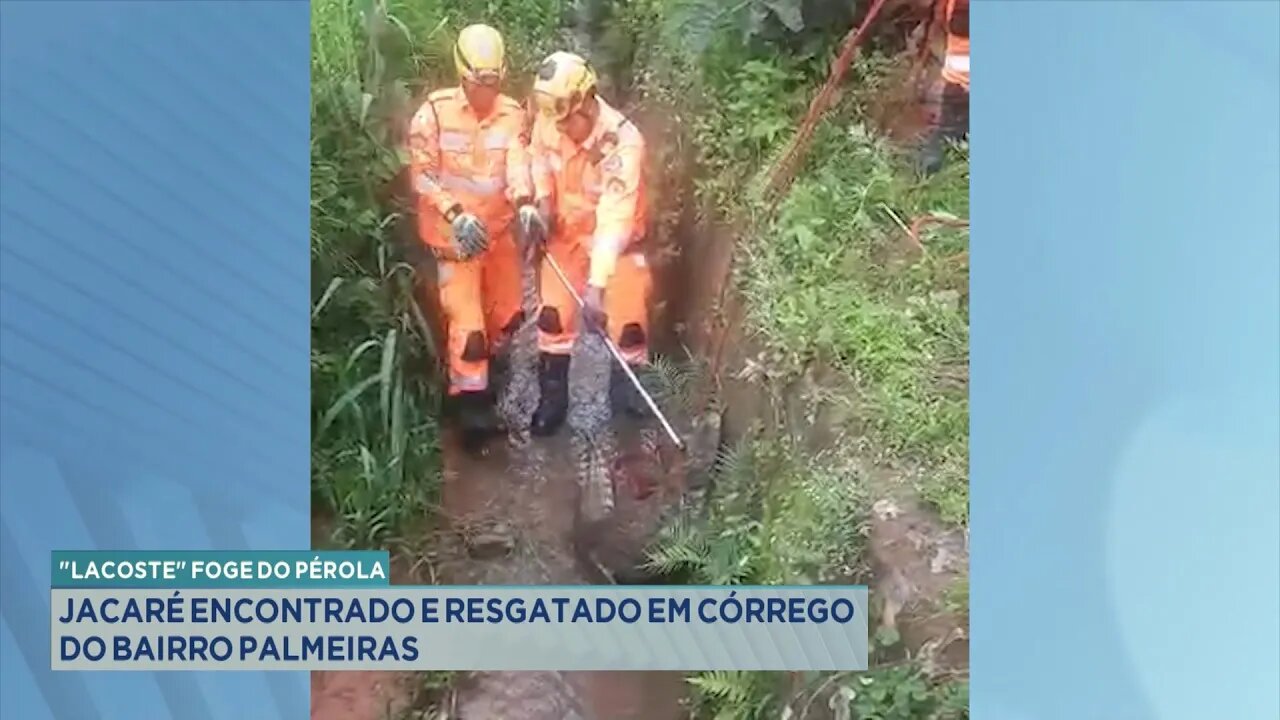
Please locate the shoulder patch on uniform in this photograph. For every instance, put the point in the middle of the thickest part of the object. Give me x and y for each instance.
(612, 164)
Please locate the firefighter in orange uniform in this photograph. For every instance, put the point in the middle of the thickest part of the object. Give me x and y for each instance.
(587, 162)
(950, 95)
(470, 170)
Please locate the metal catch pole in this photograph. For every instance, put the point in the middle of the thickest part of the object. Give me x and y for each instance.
(617, 355)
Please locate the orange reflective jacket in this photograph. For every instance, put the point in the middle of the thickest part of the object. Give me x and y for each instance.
(955, 68)
(596, 188)
(457, 157)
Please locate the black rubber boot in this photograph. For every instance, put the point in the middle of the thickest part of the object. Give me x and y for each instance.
(499, 371)
(931, 154)
(500, 352)
(477, 419)
(952, 124)
(623, 396)
(553, 383)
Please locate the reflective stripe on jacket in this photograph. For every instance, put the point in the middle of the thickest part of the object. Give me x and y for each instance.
(457, 157)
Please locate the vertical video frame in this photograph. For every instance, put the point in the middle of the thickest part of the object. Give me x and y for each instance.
(658, 291)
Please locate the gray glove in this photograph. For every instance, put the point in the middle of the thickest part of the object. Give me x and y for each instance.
(469, 235)
(533, 227)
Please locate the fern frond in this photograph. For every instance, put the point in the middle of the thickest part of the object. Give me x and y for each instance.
(730, 686)
(671, 380)
(735, 465)
(680, 547)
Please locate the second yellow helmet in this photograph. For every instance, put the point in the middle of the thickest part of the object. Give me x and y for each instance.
(563, 82)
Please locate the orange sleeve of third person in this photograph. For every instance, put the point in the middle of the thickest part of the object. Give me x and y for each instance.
(424, 158)
(619, 205)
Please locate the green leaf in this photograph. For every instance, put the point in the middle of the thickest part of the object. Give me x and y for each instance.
(385, 373)
(341, 404)
(398, 432)
(334, 284)
(361, 349)
(888, 636)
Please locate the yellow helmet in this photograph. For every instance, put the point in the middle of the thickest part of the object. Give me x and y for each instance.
(563, 82)
(479, 55)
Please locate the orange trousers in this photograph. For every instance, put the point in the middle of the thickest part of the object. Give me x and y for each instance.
(480, 301)
(626, 301)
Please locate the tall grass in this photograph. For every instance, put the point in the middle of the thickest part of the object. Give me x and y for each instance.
(829, 276)
(832, 280)
(826, 284)
(375, 439)
(374, 436)
(782, 516)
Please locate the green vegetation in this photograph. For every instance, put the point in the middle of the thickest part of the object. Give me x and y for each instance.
(780, 516)
(826, 277)
(425, 696)
(829, 277)
(375, 453)
(822, 287)
(373, 429)
(375, 447)
(894, 692)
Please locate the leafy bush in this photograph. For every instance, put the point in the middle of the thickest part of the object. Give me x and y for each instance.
(821, 285)
(902, 693)
(779, 516)
(374, 452)
(736, 695)
(825, 280)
